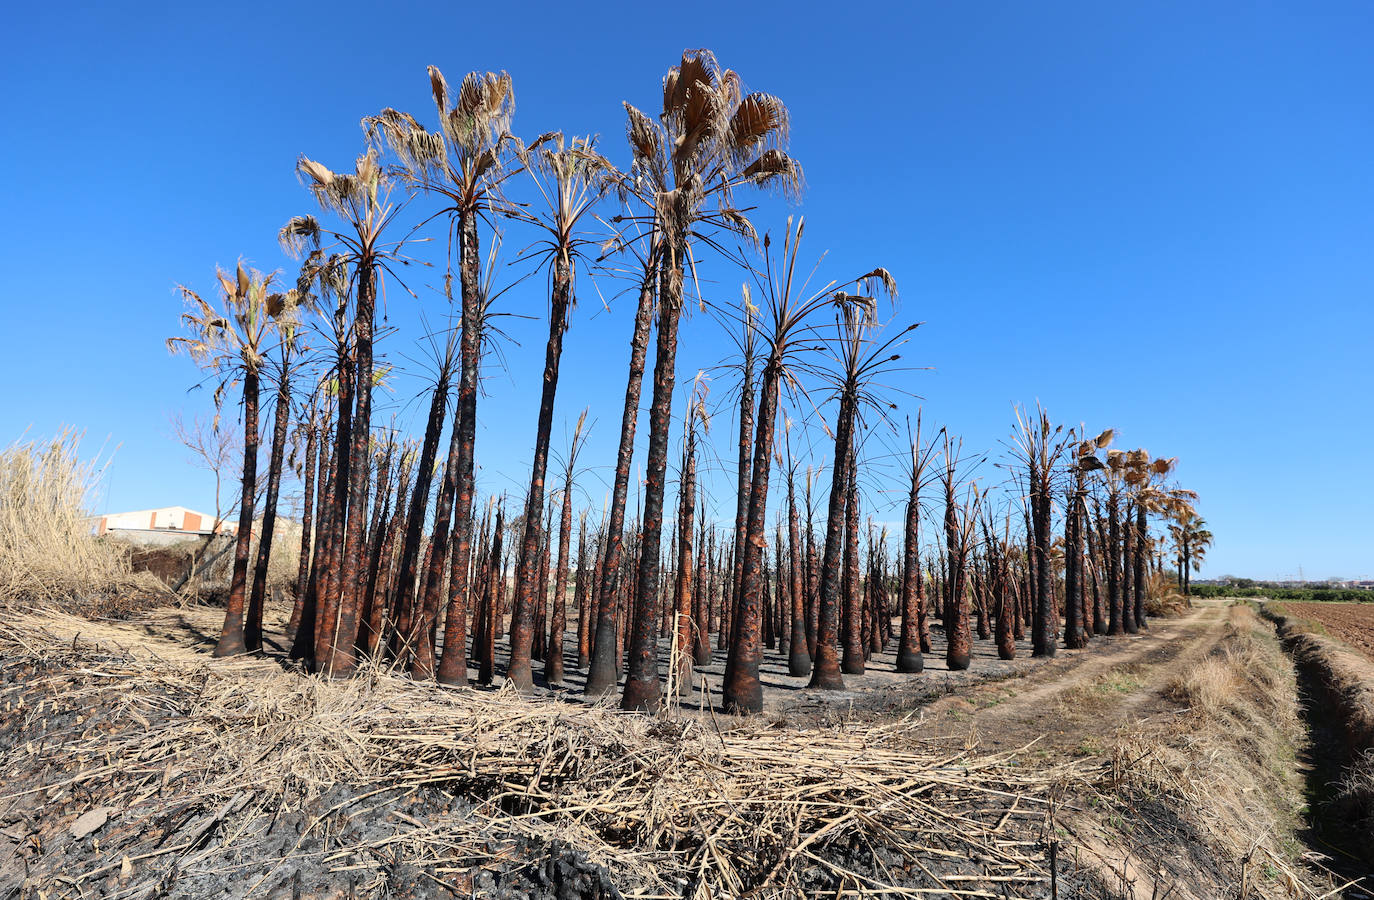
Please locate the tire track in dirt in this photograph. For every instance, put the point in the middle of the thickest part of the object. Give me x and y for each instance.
(1070, 704)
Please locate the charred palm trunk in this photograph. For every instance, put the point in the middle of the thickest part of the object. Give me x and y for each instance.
(683, 590)
(853, 663)
(601, 677)
(909, 658)
(980, 593)
(959, 648)
(641, 677)
(368, 618)
(382, 619)
(701, 594)
(744, 480)
(332, 560)
(1006, 640)
(419, 636)
(307, 521)
(342, 660)
(583, 637)
(1073, 569)
(252, 637)
(1043, 625)
(542, 607)
(798, 649)
(486, 656)
(231, 635)
(742, 691)
(403, 597)
(1111, 556)
(1141, 561)
(1128, 579)
(923, 610)
(303, 646)
(470, 351)
(948, 558)
(812, 575)
(1092, 529)
(825, 669)
(782, 594)
(553, 658)
(667, 605)
(526, 573)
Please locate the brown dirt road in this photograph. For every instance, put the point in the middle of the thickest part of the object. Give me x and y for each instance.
(1074, 703)
(1068, 703)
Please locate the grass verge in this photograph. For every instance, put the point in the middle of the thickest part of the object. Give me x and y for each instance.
(1207, 799)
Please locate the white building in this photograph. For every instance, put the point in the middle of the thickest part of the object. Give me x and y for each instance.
(174, 519)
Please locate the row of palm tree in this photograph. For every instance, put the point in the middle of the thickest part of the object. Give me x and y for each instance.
(396, 566)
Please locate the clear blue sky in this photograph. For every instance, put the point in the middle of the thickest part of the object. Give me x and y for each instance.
(1158, 217)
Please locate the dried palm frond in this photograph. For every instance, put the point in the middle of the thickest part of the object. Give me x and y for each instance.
(298, 234)
(758, 118)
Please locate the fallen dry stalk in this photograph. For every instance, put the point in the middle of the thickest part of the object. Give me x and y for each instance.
(671, 806)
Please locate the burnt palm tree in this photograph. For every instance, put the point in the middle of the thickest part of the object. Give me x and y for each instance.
(553, 659)
(958, 528)
(798, 647)
(709, 141)
(1084, 461)
(232, 341)
(571, 177)
(852, 638)
(362, 202)
(602, 673)
(403, 597)
(287, 313)
(464, 164)
(1111, 474)
(861, 359)
(785, 331)
(1038, 446)
(308, 431)
(747, 344)
(999, 553)
(684, 632)
(909, 658)
(329, 273)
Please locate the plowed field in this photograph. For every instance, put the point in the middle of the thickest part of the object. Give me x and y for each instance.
(1349, 622)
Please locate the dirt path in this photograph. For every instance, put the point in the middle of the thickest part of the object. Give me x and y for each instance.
(1071, 704)
(1066, 706)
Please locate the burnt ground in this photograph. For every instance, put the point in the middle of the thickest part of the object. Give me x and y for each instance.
(881, 691)
(1036, 713)
(94, 802)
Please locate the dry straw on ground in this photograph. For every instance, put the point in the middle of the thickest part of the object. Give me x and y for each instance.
(672, 806)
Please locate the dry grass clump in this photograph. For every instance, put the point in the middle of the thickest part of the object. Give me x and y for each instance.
(47, 551)
(1354, 800)
(1226, 764)
(1162, 600)
(1207, 686)
(1170, 605)
(679, 807)
(1239, 677)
